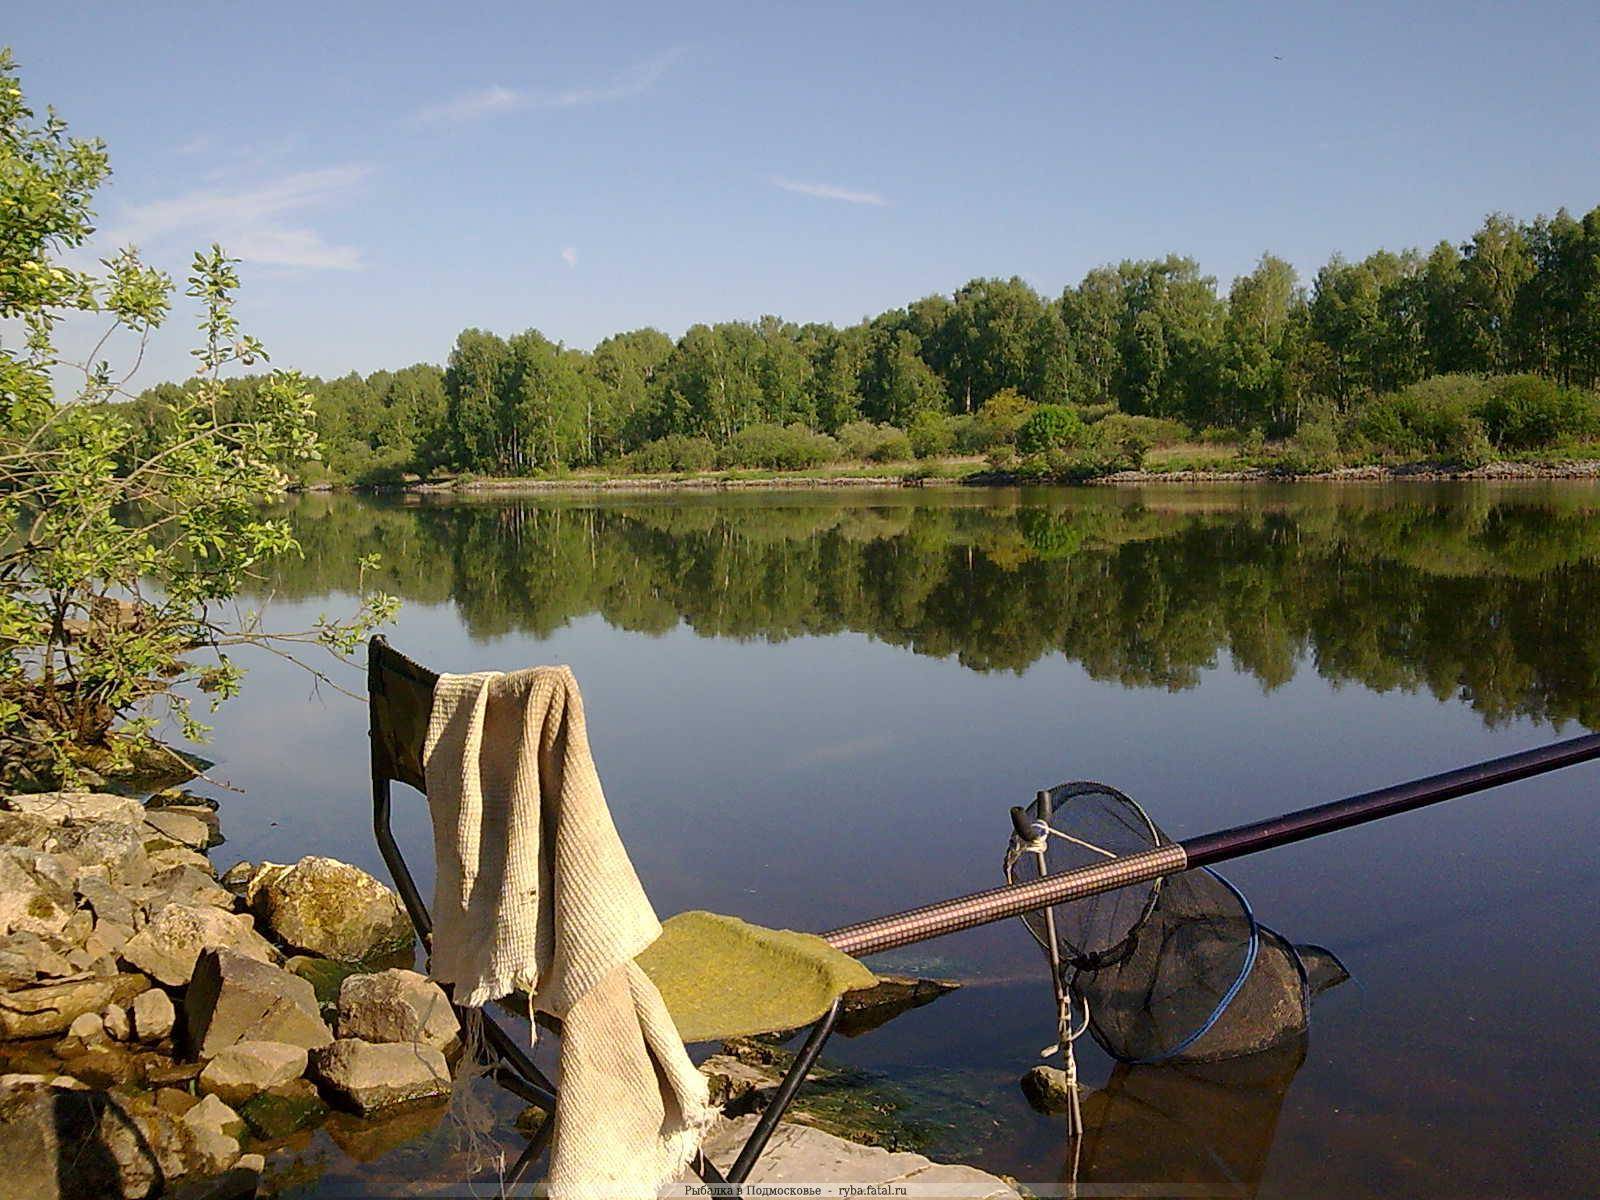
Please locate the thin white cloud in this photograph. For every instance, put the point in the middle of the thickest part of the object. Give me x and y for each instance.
(249, 221)
(497, 99)
(569, 255)
(470, 106)
(198, 144)
(828, 191)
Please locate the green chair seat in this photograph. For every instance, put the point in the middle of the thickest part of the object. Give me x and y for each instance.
(722, 977)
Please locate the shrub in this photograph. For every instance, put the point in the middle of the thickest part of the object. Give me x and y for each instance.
(1001, 416)
(675, 452)
(1313, 449)
(1437, 416)
(1151, 431)
(1091, 413)
(1527, 411)
(864, 441)
(964, 432)
(1050, 426)
(931, 435)
(778, 447)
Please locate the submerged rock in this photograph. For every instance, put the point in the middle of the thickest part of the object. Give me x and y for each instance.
(286, 1109)
(396, 1006)
(233, 998)
(1047, 1089)
(168, 946)
(241, 1070)
(371, 1076)
(326, 907)
(868, 1008)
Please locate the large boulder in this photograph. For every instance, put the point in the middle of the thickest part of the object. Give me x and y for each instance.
(369, 1076)
(396, 1006)
(326, 907)
(167, 947)
(233, 998)
(241, 1070)
(36, 892)
(61, 808)
(50, 1009)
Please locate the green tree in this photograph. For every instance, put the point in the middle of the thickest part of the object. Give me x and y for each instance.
(130, 541)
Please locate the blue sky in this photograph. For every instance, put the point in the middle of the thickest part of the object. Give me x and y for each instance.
(394, 173)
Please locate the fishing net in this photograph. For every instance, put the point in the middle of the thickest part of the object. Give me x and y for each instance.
(1169, 970)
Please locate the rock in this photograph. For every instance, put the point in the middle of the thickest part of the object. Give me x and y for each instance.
(112, 850)
(61, 808)
(108, 939)
(734, 1085)
(1047, 1089)
(206, 815)
(23, 829)
(324, 975)
(396, 1006)
(800, 1154)
(26, 956)
(100, 1063)
(108, 903)
(65, 1144)
(871, 1007)
(179, 827)
(241, 1070)
(370, 1076)
(326, 907)
(233, 998)
(179, 856)
(175, 1100)
(153, 1015)
(118, 1024)
(284, 1110)
(167, 947)
(187, 884)
(212, 1113)
(160, 1071)
(87, 1027)
(48, 1010)
(35, 891)
(367, 1139)
(237, 877)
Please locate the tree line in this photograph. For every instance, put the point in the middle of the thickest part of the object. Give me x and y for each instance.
(1151, 339)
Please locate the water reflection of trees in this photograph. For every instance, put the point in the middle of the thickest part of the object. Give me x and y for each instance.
(1479, 593)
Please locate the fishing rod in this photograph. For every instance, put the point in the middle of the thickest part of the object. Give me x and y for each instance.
(999, 903)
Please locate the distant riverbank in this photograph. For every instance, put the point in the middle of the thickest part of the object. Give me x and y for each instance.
(967, 474)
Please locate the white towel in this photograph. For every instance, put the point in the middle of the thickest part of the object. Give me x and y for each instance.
(534, 892)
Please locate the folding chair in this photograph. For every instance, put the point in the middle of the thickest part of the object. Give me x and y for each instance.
(400, 693)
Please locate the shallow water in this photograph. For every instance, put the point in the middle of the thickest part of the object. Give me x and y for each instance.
(809, 709)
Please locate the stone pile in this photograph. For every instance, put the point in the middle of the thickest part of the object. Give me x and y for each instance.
(156, 1021)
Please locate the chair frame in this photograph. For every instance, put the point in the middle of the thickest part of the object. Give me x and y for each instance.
(511, 1064)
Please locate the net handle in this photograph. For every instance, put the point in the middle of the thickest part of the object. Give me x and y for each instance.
(997, 904)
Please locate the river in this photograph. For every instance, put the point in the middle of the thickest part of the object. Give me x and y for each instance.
(813, 708)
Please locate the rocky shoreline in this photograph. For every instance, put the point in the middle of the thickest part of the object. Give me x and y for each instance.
(165, 1030)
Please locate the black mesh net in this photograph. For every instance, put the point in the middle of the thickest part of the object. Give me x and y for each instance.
(1175, 970)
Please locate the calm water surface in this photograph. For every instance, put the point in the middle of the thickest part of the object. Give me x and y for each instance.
(809, 709)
